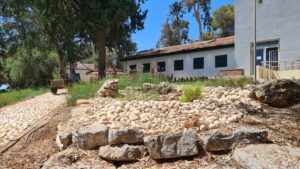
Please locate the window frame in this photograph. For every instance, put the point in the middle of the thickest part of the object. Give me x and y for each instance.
(134, 65)
(145, 66)
(194, 63)
(158, 65)
(217, 63)
(181, 68)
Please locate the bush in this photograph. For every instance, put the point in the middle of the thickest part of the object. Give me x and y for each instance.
(83, 91)
(190, 93)
(138, 80)
(29, 68)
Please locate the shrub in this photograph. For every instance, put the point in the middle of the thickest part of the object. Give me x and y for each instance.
(191, 93)
(83, 91)
(139, 80)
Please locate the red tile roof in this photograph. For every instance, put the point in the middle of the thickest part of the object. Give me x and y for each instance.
(202, 45)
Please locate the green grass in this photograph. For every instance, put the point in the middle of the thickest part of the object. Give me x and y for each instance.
(83, 91)
(231, 82)
(13, 96)
(138, 80)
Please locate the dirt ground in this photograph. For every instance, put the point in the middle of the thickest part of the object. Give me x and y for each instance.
(40, 146)
(283, 126)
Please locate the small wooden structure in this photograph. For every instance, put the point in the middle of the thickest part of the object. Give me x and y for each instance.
(57, 84)
(231, 73)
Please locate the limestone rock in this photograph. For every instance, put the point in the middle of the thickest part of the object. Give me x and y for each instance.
(79, 111)
(263, 156)
(279, 93)
(122, 153)
(63, 139)
(91, 136)
(172, 145)
(218, 141)
(82, 101)
(75, 159)
(125, 136)
(109, 88)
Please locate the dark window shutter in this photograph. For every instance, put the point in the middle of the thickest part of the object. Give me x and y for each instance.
(132, 67)
(161, 66)
(221, 61)
(199, 63)
(178, 65)
(146, 67)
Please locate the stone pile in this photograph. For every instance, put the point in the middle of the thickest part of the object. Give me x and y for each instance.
(109, 88)
(163, 87)
(220, 106)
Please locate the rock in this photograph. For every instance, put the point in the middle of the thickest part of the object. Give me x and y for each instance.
(91, 136)
(125, 136)
(263, 156)
(109, 88)
(278, 93)
(218, 141)
(172, 145)
(163, 87)
(79, 111)
(75, 159)
(149, 86)
(122, 153)
(63, 139)
(82, 101)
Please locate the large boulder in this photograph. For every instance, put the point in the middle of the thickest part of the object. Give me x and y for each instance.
(125, 136)
(91, 136)
(109, 88)
(172, 145)
(278, 93)
(218, 141)
(122, 153)
(162, 87)
(76, 159)
(267, 156)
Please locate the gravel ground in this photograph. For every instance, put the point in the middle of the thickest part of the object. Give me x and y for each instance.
(14, 119)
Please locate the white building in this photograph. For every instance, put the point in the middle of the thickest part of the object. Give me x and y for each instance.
(277, 54)
(197, 59)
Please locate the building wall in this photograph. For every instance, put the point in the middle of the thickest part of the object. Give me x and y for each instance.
(188, 71)
(275, 19)
(83, 76)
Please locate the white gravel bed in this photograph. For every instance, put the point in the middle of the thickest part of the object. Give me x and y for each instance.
(14, 119)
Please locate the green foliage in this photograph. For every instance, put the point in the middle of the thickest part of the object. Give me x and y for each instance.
(138, 80)
(175, 30)
(223, 20)
(190, 93)
(28, 68)
(201, 12)
(83, 91)
(14, 96)
(225, 82)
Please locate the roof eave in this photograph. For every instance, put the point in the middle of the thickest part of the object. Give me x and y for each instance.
(136, 57)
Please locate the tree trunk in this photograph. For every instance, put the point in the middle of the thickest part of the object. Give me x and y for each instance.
(198, 19)
(60, 60)
(102, 55)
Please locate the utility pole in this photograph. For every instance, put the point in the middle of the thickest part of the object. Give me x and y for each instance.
(254, 40)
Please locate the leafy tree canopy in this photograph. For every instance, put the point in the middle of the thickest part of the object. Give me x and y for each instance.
(223, 20)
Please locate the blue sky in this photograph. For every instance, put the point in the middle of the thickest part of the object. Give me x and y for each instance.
(157, 14)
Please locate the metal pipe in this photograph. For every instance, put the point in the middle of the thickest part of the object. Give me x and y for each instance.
(254, 40)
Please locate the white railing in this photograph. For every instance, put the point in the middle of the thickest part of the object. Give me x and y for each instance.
(278, 66)
(281, 65)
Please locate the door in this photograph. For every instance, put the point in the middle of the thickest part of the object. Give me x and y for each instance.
(272, 58)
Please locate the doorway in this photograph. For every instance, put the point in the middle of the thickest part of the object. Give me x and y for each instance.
(272, 58)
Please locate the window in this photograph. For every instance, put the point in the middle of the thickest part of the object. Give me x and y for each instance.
(132, 67)
(221, 61)
(161, 66)
(178, 65)
(146, 67)
(199, 63)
